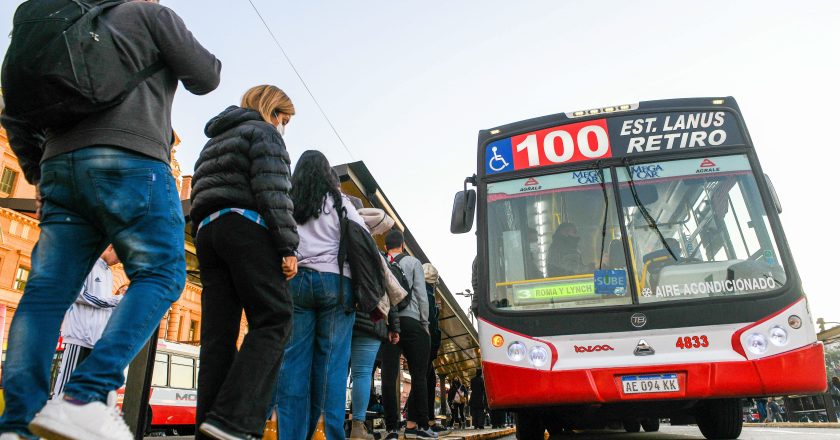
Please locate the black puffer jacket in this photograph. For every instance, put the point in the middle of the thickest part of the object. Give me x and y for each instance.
(245, 165)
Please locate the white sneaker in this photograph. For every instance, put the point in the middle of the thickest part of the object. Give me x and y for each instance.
(9, 436)
(62, 420)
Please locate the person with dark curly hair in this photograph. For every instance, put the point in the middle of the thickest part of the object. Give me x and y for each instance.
(313, 376)
(245, 238)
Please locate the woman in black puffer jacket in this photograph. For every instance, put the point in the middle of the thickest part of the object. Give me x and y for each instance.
(245, 239)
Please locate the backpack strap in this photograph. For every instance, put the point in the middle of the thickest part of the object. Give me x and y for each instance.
(144, 74)
(342, 253)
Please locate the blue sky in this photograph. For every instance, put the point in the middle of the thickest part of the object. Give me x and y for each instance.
(408, 85)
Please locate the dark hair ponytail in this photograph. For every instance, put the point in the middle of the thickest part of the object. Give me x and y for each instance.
(312, 180)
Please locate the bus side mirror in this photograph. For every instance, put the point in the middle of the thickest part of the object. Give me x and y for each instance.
(773, 194)
(463, 212)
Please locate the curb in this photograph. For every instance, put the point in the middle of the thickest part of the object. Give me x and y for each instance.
(481, 436)
(792, 425)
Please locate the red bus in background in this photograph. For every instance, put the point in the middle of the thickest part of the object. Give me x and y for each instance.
(173, 395)
(632, 266)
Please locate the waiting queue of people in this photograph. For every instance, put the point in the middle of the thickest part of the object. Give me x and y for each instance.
(267, 241)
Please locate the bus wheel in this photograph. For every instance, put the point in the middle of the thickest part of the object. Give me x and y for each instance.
(720, 419)
(529, 426)
(631, 425)
(650, 425)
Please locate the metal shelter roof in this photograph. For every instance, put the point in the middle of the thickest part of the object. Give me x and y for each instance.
(459, 353)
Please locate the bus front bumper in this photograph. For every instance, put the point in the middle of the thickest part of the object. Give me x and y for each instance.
(800, 371)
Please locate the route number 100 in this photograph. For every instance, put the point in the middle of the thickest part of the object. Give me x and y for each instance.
(571, 144)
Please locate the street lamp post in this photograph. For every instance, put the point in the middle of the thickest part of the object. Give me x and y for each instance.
(469, 294)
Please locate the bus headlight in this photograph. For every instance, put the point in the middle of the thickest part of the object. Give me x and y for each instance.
(757, 344)
(516, 351)
(538, 356)
(778, 336)
(794, 322)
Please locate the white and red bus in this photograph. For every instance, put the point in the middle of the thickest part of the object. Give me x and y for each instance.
(632, 266)
(173, 395)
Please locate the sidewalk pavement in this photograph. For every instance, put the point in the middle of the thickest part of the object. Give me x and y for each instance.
(461, 434)
(792, 425)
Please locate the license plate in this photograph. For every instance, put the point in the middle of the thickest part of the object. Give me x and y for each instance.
(652, 383)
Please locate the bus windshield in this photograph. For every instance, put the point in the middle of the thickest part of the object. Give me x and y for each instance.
(697, 228)
(555, 242)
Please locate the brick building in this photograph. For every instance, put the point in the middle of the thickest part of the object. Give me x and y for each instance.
(19, 232)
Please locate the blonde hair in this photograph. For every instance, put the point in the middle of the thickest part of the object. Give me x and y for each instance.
(266, 99)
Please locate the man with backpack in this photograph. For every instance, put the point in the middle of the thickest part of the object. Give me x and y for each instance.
(431, 274)
(414, 344)
(99, 155)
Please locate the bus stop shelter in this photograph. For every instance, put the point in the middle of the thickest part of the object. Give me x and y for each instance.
(459, 354)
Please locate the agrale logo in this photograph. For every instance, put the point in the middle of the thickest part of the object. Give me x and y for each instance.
(592, 348)
(531, 185)
(707, 166)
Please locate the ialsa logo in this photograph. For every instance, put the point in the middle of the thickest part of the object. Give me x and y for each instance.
(707, 166)
(592, 348)
(531, 184)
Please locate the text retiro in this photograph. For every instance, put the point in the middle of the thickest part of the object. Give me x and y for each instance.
(676, 131)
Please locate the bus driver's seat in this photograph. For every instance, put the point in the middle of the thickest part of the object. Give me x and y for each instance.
(657, 260)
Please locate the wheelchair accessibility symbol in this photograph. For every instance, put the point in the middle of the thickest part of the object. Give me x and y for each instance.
(499, 157)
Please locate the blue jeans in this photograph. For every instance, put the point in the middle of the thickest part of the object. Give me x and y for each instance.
(313, 376)
(93, 197)
(362, 358)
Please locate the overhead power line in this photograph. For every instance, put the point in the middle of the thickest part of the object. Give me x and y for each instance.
(305, 86)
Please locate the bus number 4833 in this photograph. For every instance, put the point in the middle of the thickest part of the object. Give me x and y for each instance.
(689, 342)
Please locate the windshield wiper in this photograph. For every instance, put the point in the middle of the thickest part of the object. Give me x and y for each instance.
(600, 166)
(650, 221)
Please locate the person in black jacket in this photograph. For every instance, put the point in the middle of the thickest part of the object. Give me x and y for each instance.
(246, 239)
(478, 400)
(432, 277)
(457, 398)
(368, 336)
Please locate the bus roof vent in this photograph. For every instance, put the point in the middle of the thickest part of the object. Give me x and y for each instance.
(598, 111)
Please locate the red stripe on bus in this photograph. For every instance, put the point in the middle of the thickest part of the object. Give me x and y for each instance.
(512, 387)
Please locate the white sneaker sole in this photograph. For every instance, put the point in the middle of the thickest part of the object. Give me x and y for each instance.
(51, 429)
(216, 433)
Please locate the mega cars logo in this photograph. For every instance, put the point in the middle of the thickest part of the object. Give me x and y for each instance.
(592, 348)
(642, 172)
(585, 177)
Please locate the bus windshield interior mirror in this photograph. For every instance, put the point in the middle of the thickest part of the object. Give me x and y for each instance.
(463, 212)
(773, 194)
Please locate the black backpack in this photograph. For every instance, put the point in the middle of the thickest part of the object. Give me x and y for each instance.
(63, 63)
(403, 280)
(357, 248)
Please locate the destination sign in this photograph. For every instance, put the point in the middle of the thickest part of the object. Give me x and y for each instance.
(620, 136)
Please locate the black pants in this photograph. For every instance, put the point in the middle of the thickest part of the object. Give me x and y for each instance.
(240, 269)
(478, 416)
(431, 382)
(458, 414)
(414, 344)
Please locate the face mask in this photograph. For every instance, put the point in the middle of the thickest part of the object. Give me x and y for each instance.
(281, 129)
